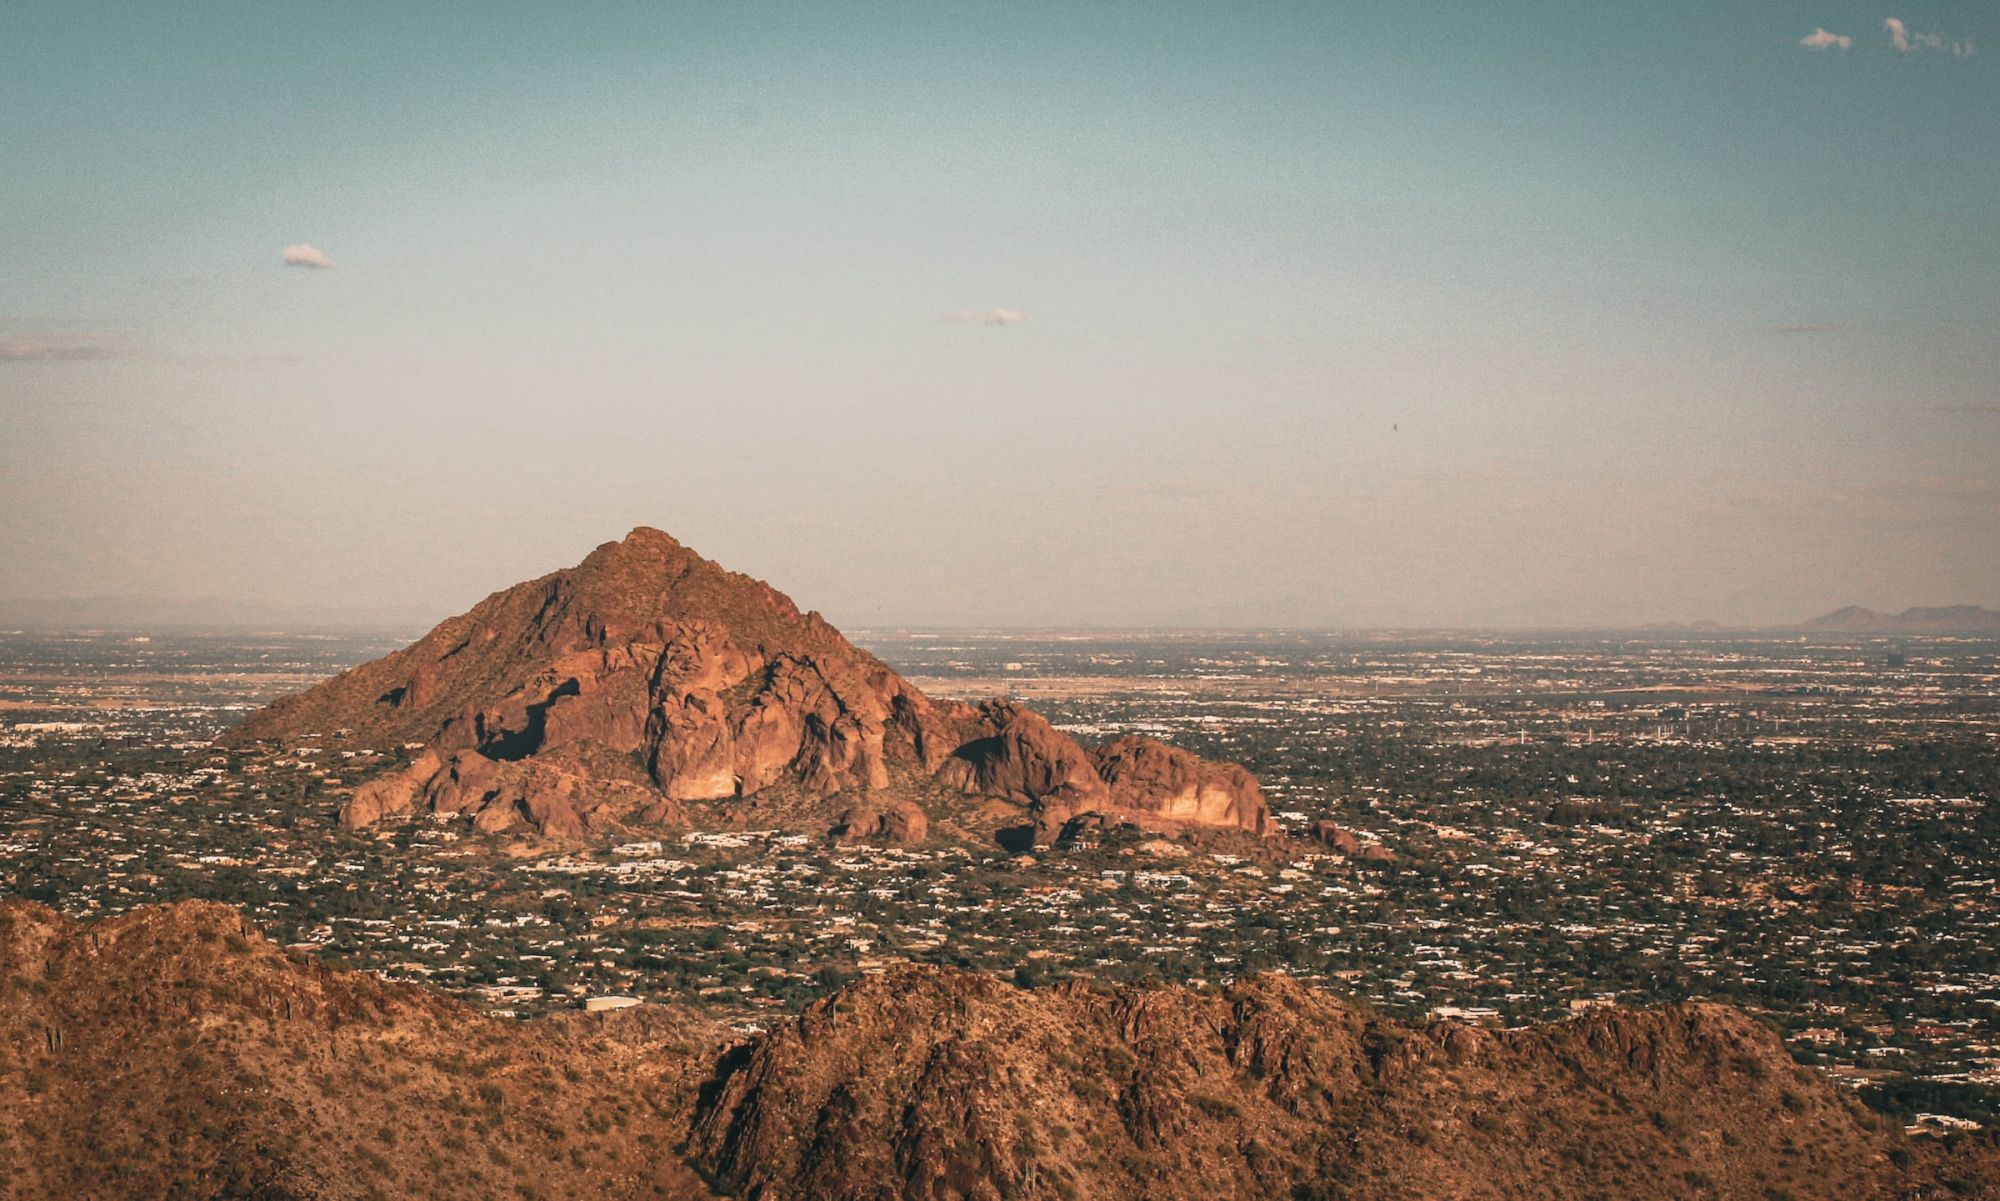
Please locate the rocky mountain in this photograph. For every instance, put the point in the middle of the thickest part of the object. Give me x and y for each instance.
(172, 1052)
(647, 679)
(1950, 619)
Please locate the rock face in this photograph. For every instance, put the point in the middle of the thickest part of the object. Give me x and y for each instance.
(173, 1052)
(1013, 753)
(530, 705)
(565, 794)
(1165, 781)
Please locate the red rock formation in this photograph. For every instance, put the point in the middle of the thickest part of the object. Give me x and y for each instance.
(172, 1052)
(1016, 754)
(1349, 844)
(1339, 839)
(723, 689)
(901, 822)
(1151, 777)
(560, 795)
(390, 794)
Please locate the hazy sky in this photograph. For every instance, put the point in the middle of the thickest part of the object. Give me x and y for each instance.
(1226, 314)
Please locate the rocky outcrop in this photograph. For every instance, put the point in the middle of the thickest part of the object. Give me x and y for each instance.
(566, 794)
(1150, 777)
(390, 794)
(900, 822)
(724, 691)
(1336, 838)
(1014, 753)
(1348, 843)
(729, 723)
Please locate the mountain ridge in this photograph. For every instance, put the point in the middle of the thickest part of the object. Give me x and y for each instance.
(173, 1051)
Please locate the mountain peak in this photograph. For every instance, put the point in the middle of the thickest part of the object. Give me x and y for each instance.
(647, 679)
(643, 543)
(647, 533)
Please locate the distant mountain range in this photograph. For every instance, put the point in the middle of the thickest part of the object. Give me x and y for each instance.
(137, 611)
(1949, 619)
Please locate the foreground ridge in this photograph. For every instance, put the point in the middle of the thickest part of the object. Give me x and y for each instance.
(172, 1051)
(647, 682)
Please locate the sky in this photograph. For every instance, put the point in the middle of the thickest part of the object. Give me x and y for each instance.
(1238, 314)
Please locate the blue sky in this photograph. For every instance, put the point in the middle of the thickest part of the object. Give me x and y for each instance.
(1527, 314)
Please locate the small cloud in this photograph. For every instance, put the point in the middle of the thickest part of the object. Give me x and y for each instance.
(54, 347)
(1987, 410)
(1820, 39)
(1801, 327)
(987, 317)
(1910, 43)
(303, 255)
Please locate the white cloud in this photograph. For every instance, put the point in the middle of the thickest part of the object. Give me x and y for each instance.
(1909, 43)
(987, 317)
(1820, 39)
(303, 255)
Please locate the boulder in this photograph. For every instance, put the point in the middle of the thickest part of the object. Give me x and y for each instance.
(901, 822)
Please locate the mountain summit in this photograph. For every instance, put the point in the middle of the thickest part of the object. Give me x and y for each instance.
(647, 679)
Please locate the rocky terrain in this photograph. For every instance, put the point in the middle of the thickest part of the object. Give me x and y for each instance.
(172, 1052)
(647, 679)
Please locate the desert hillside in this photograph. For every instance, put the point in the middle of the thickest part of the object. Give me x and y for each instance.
(173, 1052)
